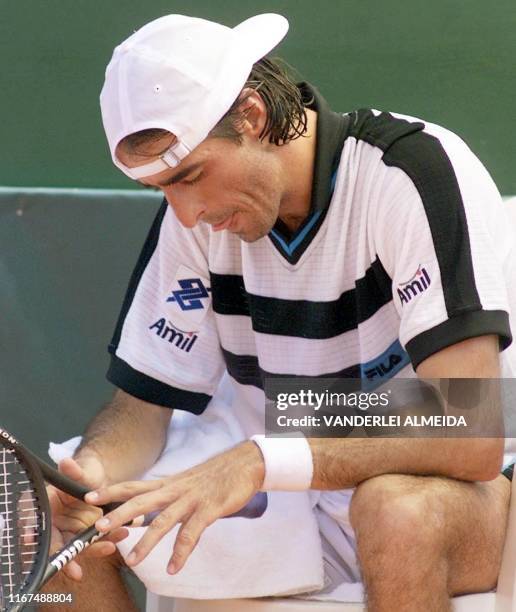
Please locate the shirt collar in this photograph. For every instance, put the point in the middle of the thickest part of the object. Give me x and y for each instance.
(332, 129)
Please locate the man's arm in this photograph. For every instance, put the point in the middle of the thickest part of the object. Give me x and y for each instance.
(344, 463)
(225, 483)
(127, 436)
(122, 441)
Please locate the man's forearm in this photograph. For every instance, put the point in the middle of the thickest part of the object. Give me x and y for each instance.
(344, 463)
(128, 435)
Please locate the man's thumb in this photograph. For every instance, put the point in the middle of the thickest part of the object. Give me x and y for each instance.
(69, 467)
(86, 470)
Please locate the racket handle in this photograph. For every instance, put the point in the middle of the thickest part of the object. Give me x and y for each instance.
(75, 546)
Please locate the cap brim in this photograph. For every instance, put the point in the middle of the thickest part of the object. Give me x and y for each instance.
(262, 33)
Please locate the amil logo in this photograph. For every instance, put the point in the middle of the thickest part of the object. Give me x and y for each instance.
(183, 340)
(416, 285)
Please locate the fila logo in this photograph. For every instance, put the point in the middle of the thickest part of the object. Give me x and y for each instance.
(182, 340)
(190, 295)
(383, 368)
(417, 284)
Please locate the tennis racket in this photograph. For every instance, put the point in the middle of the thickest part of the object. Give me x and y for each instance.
(25, 523)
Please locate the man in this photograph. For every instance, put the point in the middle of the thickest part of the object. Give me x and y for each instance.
(307, 231)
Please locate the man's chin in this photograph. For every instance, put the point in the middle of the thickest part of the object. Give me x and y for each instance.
(250, 236)
(250, 230)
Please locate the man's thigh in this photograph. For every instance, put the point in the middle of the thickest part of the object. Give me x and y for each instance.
(466, 520)
(102, 589)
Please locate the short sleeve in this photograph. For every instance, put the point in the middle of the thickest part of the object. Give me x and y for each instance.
(441, 236)
(165, 349)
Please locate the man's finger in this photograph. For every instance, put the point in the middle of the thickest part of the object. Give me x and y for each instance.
(117, 535)
(100, 549)
(134, 509)
(58, 499)
(75, 523)
(69, 467)
(56, 540)
(106, 546)
(122, 492)
(86, 469)
(73, 570)
(159, 527)
(187, 539)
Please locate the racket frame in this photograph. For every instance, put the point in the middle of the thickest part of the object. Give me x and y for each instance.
(31, 465)
(41, 473)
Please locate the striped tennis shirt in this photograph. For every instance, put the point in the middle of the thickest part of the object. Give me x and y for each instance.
(407, 250)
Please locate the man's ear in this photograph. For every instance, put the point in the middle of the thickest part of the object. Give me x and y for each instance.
(253, 113)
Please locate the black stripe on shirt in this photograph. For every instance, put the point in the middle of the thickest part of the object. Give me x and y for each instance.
(228, 294)
(246, 370)
(304, 318)
(457, 329)
(425, 161)
(139, 385)
(147, 251)
(423, 158)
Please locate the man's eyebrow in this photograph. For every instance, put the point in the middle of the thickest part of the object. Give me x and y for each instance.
(180, 175)
(177, 177)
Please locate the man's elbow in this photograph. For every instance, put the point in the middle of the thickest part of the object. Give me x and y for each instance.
(482, 460)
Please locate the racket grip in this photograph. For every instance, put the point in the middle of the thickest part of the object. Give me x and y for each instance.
(75, 546)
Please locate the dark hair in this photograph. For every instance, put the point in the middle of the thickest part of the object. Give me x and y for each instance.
(286, 114)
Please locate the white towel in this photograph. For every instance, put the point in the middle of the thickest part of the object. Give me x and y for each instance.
(277, 554)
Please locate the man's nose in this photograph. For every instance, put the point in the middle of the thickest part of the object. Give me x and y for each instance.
(187, 210)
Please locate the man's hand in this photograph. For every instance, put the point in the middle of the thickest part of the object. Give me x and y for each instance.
(70, 516)
(196, 498)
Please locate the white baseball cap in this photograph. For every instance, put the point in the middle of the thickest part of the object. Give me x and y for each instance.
(180, 74)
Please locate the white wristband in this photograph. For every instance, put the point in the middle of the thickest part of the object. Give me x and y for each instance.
(288, 462)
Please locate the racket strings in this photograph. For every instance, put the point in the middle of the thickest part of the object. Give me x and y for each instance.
(20, 526)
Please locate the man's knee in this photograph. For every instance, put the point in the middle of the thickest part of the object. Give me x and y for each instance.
(397, 512)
